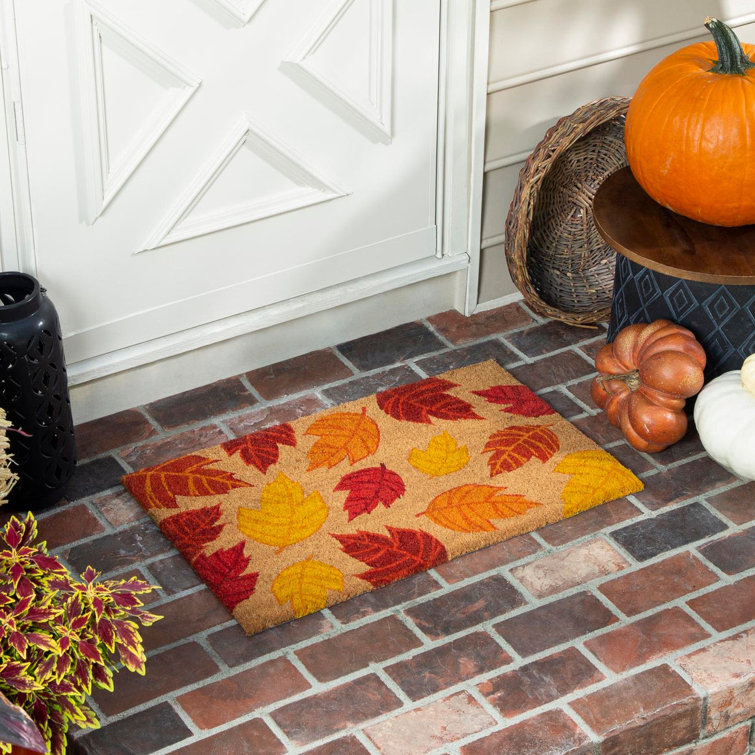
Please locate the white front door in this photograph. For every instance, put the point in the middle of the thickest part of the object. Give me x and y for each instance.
(190, 160)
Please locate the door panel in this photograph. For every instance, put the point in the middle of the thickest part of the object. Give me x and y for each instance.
(194, 159)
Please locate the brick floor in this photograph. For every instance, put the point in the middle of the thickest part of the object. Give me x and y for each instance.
(629, 628)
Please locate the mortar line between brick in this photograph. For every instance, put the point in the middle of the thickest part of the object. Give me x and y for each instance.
(720, 573)
(490, 709)
(569, 711)
(437, 333)
(684, 749)
(380, 672)
(743, 527)
(427, 643)
(366, 742)
(514, 350)
(252, 390)
(293, 659)
(142, 409)
(537, 318)
(99, 516)
(412, 364)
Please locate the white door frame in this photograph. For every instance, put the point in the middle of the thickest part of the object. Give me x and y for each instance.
(464, 30)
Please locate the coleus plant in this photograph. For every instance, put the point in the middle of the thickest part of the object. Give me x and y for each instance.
(60, 637)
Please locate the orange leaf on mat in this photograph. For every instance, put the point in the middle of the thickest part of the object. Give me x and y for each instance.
(343, 434)
(516, 445)
(402, 553)
(285, 515)
(417, 402)
(596, 478)
(469, 508)
(368, 487)
(260, 449)
(158, 486)
(305, 584)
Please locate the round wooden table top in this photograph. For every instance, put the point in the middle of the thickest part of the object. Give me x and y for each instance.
(651, 235)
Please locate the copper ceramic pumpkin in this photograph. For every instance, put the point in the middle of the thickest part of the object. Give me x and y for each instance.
(690, 130)
(646, 376)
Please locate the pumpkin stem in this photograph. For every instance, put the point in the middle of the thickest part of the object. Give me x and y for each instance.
(731, 55)
(632, 379)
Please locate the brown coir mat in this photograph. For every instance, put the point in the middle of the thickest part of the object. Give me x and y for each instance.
(296, 517)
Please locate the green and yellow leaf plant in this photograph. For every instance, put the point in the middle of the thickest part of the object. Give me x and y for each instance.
(61, 637)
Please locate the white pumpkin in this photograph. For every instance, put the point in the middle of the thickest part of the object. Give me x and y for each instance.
(725, 419)
(748, 373)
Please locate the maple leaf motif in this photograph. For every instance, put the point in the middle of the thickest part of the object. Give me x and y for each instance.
(285, 515)
(368, 487)
(517, 399)
(305, 584)
(514, 446)
(418, 402)
(190, 531)
(402, 553)
(596, 478)
(223, 572)
(469, 508)
(260, 449)
(443, 456)
(158, 486)
(341, 435)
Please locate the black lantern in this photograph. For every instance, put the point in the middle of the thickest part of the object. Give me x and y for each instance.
(34, 393)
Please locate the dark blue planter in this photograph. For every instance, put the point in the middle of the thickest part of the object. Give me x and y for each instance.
(34, 393)
(721, 317)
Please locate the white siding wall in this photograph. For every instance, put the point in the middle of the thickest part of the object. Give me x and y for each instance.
(548, 57)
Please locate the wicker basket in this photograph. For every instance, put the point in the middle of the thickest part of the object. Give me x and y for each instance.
(555, 255)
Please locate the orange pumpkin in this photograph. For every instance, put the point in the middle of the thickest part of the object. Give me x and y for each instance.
(646, 376)
(690, 130)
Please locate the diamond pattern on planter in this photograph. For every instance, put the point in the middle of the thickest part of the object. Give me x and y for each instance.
(721, 317)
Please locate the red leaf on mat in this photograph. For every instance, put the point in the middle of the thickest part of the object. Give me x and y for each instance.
(222, 571)
(403, 553)
(514, 446)
(260, 449)
(417, 402)
(368, 487)
(158, 486)
(517, 399)
(191, 531)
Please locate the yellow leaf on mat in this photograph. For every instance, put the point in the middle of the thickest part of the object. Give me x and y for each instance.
(469, 508)
(442, 456)
(306, 584)
(342, 434)
(285, 516)
(596, 478)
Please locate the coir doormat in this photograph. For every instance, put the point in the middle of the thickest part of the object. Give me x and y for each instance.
(296, 517)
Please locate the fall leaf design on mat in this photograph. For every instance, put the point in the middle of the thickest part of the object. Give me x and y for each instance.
(469, 508)
(285, 515)
(443, 456)
(418, 402)
(305, 584)
(192, 530)
(341, 435)
(260, 449)
(368, 487)
(158, 486)
(516, 399)
(223, 571)
(596, 477)
(402, 553)
(514, 446)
